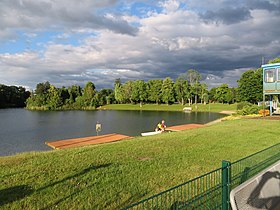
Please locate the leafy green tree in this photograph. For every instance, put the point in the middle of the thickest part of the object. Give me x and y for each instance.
(194, 77)
(139, 93)
(127, 91)
(88, 97)
(74, 91)
(105, 96)
(154, 90)
(89, 94)
(203, 93)
(118, 91)
(212, 93)
(42, 88)
(54, 101)
(275, 60)
(181, 89)
(167, 91)
(13, 96)
(64, 94)
(231, 96)
(222, 93)
(250, 86)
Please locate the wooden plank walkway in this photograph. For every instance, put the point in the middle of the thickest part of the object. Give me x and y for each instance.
(91, 140)
(76, 142)
(183, 127)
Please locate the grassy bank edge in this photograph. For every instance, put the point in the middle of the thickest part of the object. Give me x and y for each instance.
(212, 107)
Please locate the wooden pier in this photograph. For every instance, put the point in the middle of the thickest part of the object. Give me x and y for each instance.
(183, 127)
(91, 140)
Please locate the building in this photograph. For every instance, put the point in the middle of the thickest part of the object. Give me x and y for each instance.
(271, 82)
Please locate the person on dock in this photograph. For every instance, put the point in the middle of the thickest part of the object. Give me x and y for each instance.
(163, 126)
(97, 128)
(160, 126)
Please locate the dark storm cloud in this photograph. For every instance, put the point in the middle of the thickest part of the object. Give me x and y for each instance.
(264, 5)
(227, 15)
(231, 12)
(44, 15)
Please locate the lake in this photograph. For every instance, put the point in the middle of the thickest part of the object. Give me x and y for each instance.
(22, 130)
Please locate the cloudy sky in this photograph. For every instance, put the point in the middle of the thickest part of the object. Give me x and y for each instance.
(70, 42)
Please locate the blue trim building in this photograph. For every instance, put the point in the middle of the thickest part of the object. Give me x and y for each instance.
(271, 81)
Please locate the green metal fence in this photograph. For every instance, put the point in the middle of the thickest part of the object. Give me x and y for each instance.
(211, 190)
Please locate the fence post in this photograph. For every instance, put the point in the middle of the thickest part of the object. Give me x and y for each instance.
(226, 179)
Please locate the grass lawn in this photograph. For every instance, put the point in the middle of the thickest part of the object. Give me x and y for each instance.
(213, 107)
(111, 176)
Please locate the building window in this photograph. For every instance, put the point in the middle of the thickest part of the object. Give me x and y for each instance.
(270, 75)
(278, 70)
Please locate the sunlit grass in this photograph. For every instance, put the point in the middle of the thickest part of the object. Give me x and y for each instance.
(213, 107)
(111, 176)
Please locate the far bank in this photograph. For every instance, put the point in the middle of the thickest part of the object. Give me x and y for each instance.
(210, 107)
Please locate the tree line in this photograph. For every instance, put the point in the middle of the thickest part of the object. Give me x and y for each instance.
(49, 97)
(186, 89)
(13, 96)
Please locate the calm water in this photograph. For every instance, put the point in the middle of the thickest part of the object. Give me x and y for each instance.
(22, 130)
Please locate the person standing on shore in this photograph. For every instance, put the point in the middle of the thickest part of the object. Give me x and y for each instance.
(97, 128)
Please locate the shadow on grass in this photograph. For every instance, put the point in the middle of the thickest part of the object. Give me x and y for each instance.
(86, 170)
(12, 194)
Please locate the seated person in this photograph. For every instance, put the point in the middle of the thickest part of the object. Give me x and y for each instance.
(158, 128)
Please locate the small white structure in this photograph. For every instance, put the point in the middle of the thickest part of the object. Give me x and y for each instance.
(187, 109)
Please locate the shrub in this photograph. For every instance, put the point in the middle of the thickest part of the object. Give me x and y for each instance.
(242, 104)
(249, 109)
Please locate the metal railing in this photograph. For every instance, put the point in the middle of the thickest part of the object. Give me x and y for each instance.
(211, 190)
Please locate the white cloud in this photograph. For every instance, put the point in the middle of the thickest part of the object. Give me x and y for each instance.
(167, 43)
(170, 5)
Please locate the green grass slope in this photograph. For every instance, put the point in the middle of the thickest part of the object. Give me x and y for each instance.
(112, 176)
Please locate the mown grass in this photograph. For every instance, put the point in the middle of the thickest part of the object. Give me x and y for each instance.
(112, 176)
(213, 107)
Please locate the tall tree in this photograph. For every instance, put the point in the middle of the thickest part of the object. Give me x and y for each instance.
(118, 91)
(167, 91)
(154, 90)
(221, 94)
(54, 101)
(139, 93)
(181, 89)
(74, 91)
(194, 78)
(250, 86)
(89, 94)
(127, 89)
(203, 93)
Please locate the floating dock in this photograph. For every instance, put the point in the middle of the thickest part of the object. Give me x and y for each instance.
(183, 127)
(91, 140)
